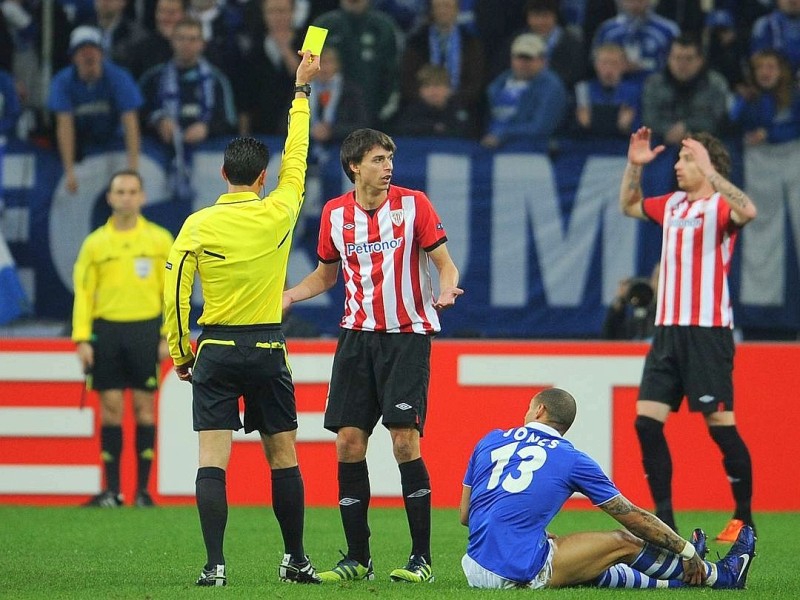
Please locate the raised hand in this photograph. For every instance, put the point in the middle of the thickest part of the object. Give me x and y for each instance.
(639, 151)
(699, 155)
(308, 67)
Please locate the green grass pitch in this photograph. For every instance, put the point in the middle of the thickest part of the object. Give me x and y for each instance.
(157, 553)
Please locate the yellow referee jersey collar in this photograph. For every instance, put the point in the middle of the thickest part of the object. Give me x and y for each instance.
(138, 226)
(237, 197)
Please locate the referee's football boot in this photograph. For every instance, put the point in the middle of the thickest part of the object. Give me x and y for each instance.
(297, 572)
(417, 570)
(348, 569)
(105, 499)
(733, 568)
(699, 541)
(213, 577)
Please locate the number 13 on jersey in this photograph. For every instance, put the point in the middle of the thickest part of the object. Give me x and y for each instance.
(529, 459)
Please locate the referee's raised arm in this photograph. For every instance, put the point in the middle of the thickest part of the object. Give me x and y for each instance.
(292, 174)
(239, 248)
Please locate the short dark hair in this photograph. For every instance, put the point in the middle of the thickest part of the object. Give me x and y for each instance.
(560, 405)
(433, 75)
(123, 173)
(689, 40)
(356, 145)
(189, 21)
(717, 152)
(540, 6)
(245, 158)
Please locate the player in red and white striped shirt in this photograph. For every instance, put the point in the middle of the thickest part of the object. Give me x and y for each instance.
(692, 350)
(385, 238)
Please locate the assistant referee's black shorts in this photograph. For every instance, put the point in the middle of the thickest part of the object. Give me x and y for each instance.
(696, 362)
(247, 361)
(125, 354)
(377, 374)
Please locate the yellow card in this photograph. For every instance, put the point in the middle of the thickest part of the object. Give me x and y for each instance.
(315, 39)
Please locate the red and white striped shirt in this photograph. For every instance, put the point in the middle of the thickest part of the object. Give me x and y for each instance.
(387, 277)
(696, 250)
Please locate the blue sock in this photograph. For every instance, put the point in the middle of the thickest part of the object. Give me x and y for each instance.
(658, 563)
(623, 576)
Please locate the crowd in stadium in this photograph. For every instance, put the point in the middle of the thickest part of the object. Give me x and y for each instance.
(482, 69)
(82, 77)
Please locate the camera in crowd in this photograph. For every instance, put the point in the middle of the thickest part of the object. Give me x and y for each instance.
(640, 292)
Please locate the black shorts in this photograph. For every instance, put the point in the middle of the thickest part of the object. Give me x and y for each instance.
(247, 361)
(696, 362)
(125, 354)
(376, 375)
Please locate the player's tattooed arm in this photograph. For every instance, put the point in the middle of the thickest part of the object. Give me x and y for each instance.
(630, 191)
(619, 505)
(650, 528)
(643, 524)
(740, 203)
(635, 177)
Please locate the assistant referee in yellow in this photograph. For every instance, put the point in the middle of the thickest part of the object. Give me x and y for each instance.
(116, 322)
(240, 249)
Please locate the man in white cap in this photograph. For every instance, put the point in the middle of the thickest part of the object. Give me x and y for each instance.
(527, 101)
(95, 102)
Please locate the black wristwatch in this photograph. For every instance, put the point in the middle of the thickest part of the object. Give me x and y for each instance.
(304, 88)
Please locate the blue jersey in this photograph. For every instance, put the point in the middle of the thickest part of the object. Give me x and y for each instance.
(605, 103)
(519, 480)
(9, 104)
(97, 106)
(782, 125)
(780, 32)
(646, 41)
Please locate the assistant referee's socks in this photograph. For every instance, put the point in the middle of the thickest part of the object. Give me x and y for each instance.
(110, 452)
(145, 451)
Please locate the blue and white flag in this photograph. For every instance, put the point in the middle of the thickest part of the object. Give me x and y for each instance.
(13, 302)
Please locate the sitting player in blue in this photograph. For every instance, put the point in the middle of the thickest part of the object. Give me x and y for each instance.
(516, 482)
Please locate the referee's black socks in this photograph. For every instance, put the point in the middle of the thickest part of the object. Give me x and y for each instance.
(145, 451)
(212, 506)
(288, 502)
(110, 452)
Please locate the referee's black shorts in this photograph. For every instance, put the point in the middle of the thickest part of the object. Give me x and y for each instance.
(125, 354)
(377, 374)
(247, 361)
(696, 362)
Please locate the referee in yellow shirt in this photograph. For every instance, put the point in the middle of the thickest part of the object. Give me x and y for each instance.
(240, 248)
(119, 281)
